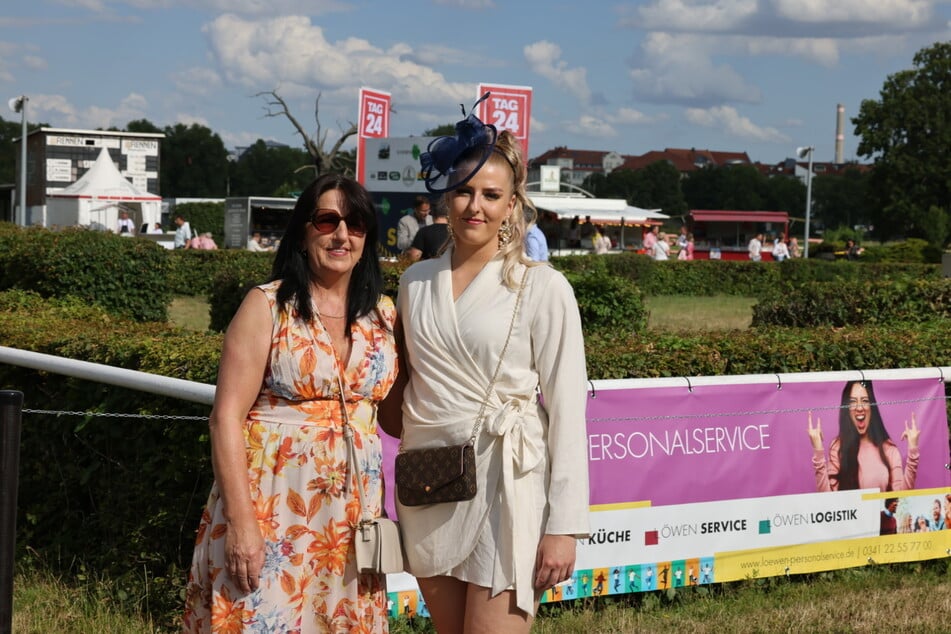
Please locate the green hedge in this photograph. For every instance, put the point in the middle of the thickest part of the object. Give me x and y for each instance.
(843, 303)
(126, 276)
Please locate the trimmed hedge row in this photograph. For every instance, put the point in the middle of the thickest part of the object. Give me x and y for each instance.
(126, 276)
(842, 303)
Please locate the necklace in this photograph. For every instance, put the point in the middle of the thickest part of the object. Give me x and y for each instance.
(331, 316)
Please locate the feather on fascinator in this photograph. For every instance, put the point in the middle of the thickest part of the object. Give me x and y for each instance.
(450, 161)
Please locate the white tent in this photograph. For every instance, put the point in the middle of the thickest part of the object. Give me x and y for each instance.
(96, 199)
(604, 211)
(601, 210)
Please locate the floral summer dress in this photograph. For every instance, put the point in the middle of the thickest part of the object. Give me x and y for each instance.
(307, 506)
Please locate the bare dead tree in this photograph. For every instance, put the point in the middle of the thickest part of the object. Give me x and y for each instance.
(324, 159)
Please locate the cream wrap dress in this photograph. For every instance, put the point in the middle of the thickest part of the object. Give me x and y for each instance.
(531, 460)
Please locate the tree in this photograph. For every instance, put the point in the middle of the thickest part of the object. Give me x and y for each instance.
(269, 171)
(841, 200)
(908, 132)
(323, 159)
(194, 162)
(142, 125)
(446, 129)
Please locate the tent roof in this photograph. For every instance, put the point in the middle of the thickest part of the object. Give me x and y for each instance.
(710, 215)
(103, 181)
(601, 210)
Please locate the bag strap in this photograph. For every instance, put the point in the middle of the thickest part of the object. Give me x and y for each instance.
(498, 366)
(365, 515)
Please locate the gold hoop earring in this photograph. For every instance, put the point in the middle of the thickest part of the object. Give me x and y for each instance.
(505, 233)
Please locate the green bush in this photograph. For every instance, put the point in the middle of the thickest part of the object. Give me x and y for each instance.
(855, 303)
(126, 276)
(607, 302)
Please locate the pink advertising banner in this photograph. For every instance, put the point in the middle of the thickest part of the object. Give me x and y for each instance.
(374, 124)
(508, 108)
(678, 445)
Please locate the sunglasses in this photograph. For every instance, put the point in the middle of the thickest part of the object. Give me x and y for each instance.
(326, 221)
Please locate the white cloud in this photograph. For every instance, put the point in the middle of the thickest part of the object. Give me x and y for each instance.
(689, 15)
(34, 62)
(679, 69)
(58, 108)
(902, 14)
(290, 52)
(589, 125)
(734, 124)
(544, 59)
(199, 81)
(630, 116)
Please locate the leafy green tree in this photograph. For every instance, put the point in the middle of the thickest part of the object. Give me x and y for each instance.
(908, 132)
(446, 129)
(841, 200)
(142, 125)
(786, 193)
(194, 162)
(657, 186)
(270, 171)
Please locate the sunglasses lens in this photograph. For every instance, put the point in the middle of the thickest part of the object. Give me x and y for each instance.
(327, 223)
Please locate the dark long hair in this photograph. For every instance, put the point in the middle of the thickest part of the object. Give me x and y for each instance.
(848, 475)
(290, 262)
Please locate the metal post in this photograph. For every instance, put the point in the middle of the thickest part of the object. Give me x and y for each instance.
(808, 201)
(11, 412)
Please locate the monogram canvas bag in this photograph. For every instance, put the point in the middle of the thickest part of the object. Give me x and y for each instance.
(447, 474)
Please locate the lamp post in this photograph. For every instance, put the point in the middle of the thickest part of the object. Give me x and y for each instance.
(802, 153)
(18, 104)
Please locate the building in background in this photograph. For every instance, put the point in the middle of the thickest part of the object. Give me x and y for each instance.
(58, 157)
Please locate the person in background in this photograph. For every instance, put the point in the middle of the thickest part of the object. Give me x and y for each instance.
(410, 224)
(682, 237)
(207, 242)
(780, 250)
(755, 248)
(852, 250)
(649, 240)
(275, 546)
(432, 239)
(863, 456)
(536, 246)
(482, 564)
(794, 250)
(661, 247)
(156, 228)
(255, 245)
(126, 226)
(183, 232)
(601, 243)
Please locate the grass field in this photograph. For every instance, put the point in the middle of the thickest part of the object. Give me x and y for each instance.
(671, 312)
(900, 598)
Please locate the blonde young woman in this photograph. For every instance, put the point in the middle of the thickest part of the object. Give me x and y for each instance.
(482, 564)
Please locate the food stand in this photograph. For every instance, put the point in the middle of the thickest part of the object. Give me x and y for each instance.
(724, 234)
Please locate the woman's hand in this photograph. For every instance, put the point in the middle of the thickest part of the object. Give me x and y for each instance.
(911, 433)
(554, 560)
(815, 433)
(244, 554)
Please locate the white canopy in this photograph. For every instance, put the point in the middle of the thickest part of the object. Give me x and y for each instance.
(96, 199)
(601, 210)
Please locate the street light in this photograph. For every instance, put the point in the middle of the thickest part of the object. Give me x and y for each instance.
(18, 104)
(802, 152)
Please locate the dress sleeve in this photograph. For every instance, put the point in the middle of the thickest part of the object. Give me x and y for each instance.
(558, 350)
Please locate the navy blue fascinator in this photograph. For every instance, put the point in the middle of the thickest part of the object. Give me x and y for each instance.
(450, 161)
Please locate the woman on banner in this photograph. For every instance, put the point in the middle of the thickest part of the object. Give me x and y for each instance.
(482, 564)
(863, 456)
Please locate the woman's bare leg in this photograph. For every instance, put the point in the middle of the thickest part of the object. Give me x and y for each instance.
(485, 614)
(446, 601)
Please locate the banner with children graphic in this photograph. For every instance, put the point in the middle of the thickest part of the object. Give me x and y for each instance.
(719, 480)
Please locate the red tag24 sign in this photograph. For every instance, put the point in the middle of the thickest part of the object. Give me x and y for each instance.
(508, 108)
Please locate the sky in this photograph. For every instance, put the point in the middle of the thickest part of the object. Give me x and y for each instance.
(755, 76)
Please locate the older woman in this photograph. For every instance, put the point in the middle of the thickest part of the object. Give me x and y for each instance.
(275, 545)
(483, 310)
